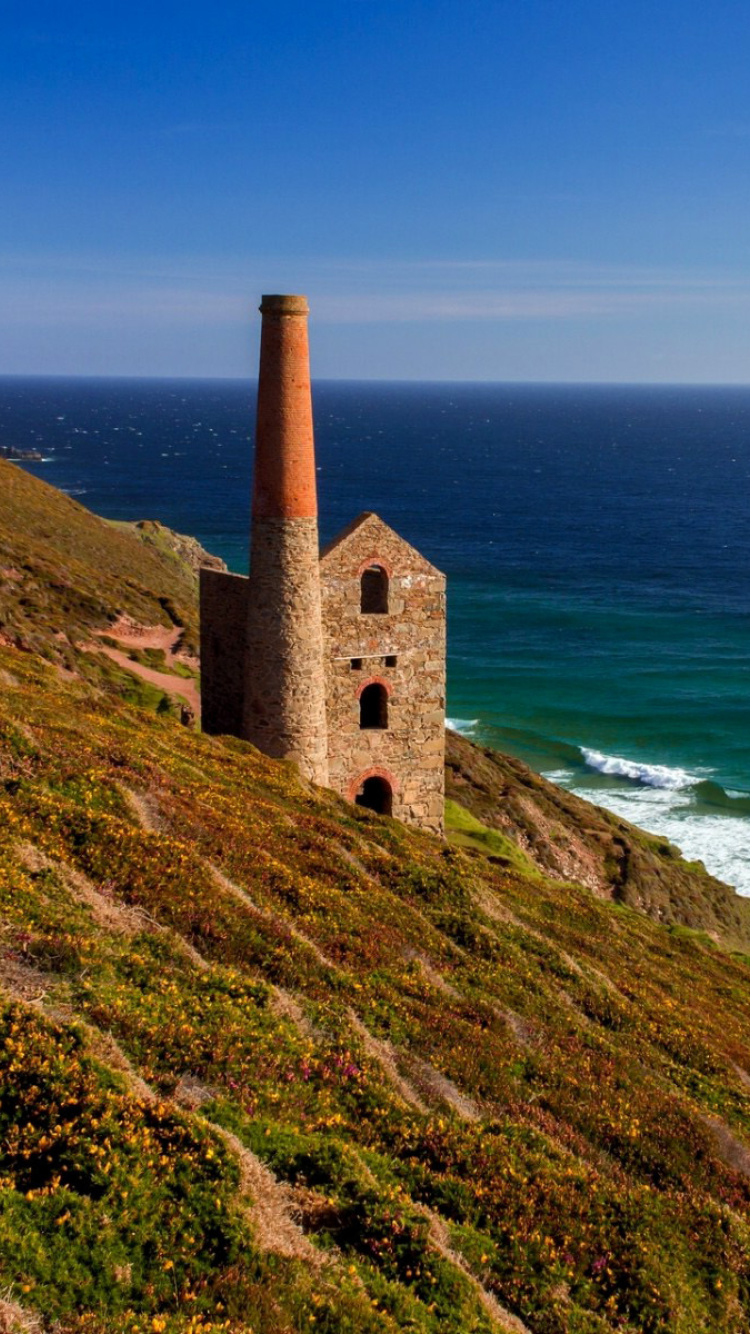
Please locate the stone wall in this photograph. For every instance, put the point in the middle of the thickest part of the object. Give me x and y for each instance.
(286, 667)
(410, 752)
(284, 693)
(223, 616)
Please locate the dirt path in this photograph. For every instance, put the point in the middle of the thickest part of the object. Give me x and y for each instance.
(132, 635)
(177, 686)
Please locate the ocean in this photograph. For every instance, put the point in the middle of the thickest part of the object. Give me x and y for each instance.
(596, 541)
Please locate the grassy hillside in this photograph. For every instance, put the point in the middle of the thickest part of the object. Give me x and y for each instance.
(271, 1063)
(64, 572)
(474, 1090)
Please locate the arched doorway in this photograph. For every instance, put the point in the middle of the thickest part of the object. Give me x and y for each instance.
(376, 794)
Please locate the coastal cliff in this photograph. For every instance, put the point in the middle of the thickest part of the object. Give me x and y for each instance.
(188, 554)
(567, 838)
(271, 1063)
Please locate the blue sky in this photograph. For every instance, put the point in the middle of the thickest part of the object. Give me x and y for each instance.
(535, 190)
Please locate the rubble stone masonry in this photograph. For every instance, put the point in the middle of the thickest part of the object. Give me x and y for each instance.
(284, 693)
(410, 752)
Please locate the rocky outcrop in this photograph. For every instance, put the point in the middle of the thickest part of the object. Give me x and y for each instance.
(187, 550)
(572, 840)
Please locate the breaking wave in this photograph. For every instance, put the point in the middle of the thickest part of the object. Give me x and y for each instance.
(693, 811)
(650, 775)
(465, 726)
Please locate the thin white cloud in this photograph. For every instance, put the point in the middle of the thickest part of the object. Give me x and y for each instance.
(518, 304)
(132, 305)
(99, 291)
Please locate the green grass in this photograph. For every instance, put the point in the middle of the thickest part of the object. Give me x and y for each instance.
(464, 830)
(156, 659)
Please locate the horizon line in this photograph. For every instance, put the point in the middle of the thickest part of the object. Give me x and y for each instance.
(371, 379)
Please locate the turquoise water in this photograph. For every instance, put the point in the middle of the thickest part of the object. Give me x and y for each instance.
(596, 540)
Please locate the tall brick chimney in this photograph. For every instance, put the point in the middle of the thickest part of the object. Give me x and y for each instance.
(284, 689)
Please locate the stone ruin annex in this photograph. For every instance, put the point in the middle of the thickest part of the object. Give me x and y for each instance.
(334, 660)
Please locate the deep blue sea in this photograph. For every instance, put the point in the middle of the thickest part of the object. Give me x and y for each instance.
(596, 541)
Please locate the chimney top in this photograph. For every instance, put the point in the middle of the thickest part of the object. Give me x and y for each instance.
(284, 305)
(284, 474)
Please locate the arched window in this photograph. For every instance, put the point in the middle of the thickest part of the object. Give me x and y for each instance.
(374, 590)
(376, 794)
(373, 706)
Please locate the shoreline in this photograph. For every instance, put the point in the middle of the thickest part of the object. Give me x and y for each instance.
(692, 811)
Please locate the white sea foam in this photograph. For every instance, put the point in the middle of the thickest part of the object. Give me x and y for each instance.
(463, 725)
(651, 775)
(721, 842)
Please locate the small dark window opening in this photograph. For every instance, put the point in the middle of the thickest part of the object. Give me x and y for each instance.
(356, 664)
(391, 660)
(374, 591)
(376, 795)
(373, 706)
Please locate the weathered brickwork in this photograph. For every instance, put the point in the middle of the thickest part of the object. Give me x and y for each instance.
(284, 694)
(284, 482)
(409, 752)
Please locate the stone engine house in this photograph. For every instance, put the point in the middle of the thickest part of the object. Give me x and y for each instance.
(335, 661)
